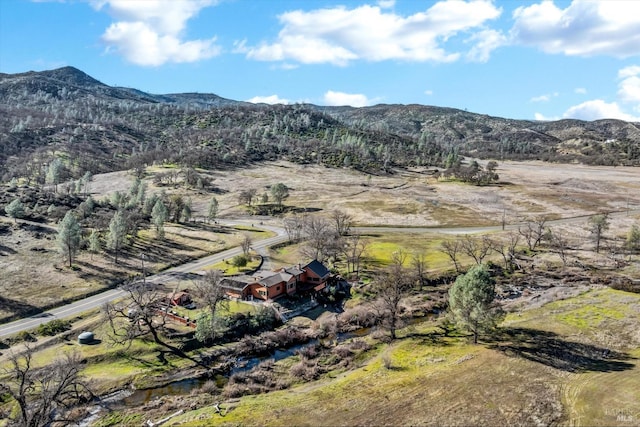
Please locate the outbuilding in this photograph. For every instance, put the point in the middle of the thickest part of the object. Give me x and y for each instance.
(86, 337)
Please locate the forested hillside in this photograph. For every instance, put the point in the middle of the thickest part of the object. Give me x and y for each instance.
(90, 126)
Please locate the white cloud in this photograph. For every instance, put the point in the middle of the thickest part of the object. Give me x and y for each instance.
(486, 41)
(543, 118)
(598, 109)
(629, 87)
(580, 90)
(340, 98)
(584, 28)
(271, 99)
(148, 32)
(339, 35)
(544, 98)
(630, 71)
(428, 92)
(541, 98)
(386, 4)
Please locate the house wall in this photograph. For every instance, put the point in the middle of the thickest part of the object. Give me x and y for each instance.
(277, 290)
(255, 289)
(264, 293)
(312, 277)
(291, 286)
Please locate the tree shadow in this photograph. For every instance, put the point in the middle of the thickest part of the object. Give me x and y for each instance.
(92, 270)
(6, 250)
(18, 308)
(550, 349)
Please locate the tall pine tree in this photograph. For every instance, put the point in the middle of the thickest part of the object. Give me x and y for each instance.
(117, 234)
(471, 302)
(69, 236)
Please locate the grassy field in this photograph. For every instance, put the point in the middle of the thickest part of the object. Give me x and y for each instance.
(572, 362)
(38, 258)
(546, 367)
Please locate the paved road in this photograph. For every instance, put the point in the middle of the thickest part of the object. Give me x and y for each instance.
(484, 229)
(197, 265)
(98, 300)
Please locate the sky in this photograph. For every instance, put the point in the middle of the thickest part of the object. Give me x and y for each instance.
(534, 60)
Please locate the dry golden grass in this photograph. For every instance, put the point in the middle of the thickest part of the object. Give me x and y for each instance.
(546, 368)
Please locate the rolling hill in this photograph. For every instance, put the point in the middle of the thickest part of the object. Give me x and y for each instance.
(68, 114)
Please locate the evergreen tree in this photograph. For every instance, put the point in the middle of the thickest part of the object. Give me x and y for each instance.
(187, 211)
(213, 209)
(633, 238)
(159, 217)
(69, 236)
(54, 173)
(471, 302)
(95, 246)
(15, 209)
(279, 192)
(117, 234)
(149, 203)
(86, 179)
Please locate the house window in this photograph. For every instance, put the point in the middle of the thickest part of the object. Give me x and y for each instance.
(315, 279)
(277, 288)
(291, 285)
(262, 293)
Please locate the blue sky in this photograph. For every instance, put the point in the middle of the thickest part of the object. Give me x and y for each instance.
(528, 60)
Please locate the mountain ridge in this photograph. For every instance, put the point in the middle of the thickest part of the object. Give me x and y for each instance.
(103, 128)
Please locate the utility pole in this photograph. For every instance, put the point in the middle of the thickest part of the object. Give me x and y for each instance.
(144, 275)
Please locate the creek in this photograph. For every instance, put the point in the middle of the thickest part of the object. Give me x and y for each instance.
(131, 399)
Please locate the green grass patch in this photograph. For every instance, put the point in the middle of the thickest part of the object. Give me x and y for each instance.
(118, 418)
(228, 269)
(233, 307)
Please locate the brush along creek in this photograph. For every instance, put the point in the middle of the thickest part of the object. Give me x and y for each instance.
(290, 355)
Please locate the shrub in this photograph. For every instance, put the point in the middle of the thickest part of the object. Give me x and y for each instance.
(53, 328)
(343, 352)
(26, 336)
(239, 261)
(209, 387)
(309, 351)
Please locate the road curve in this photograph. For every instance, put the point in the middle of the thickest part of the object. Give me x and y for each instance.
(483, 229)
(98, 300)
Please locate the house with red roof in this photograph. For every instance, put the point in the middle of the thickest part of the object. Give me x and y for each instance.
(269, 285)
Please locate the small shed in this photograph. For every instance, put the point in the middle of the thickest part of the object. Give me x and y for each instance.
(86, 337)
(179, 298)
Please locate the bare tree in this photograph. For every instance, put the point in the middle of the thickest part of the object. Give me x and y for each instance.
(247, 196)
(533, 232)
(318, 233)
(212, 295)
(245, 244)
(452, 249)
(559, 244)
(598, 224)
(293, 226)
(419, 264)
(391, 285)
(354, 249)
(342, 221)
(476, 248)
(615, 251)
(43, 394)
(139, 315)
(507, 248)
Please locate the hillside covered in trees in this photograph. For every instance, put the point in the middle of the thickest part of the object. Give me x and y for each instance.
(93, 127)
